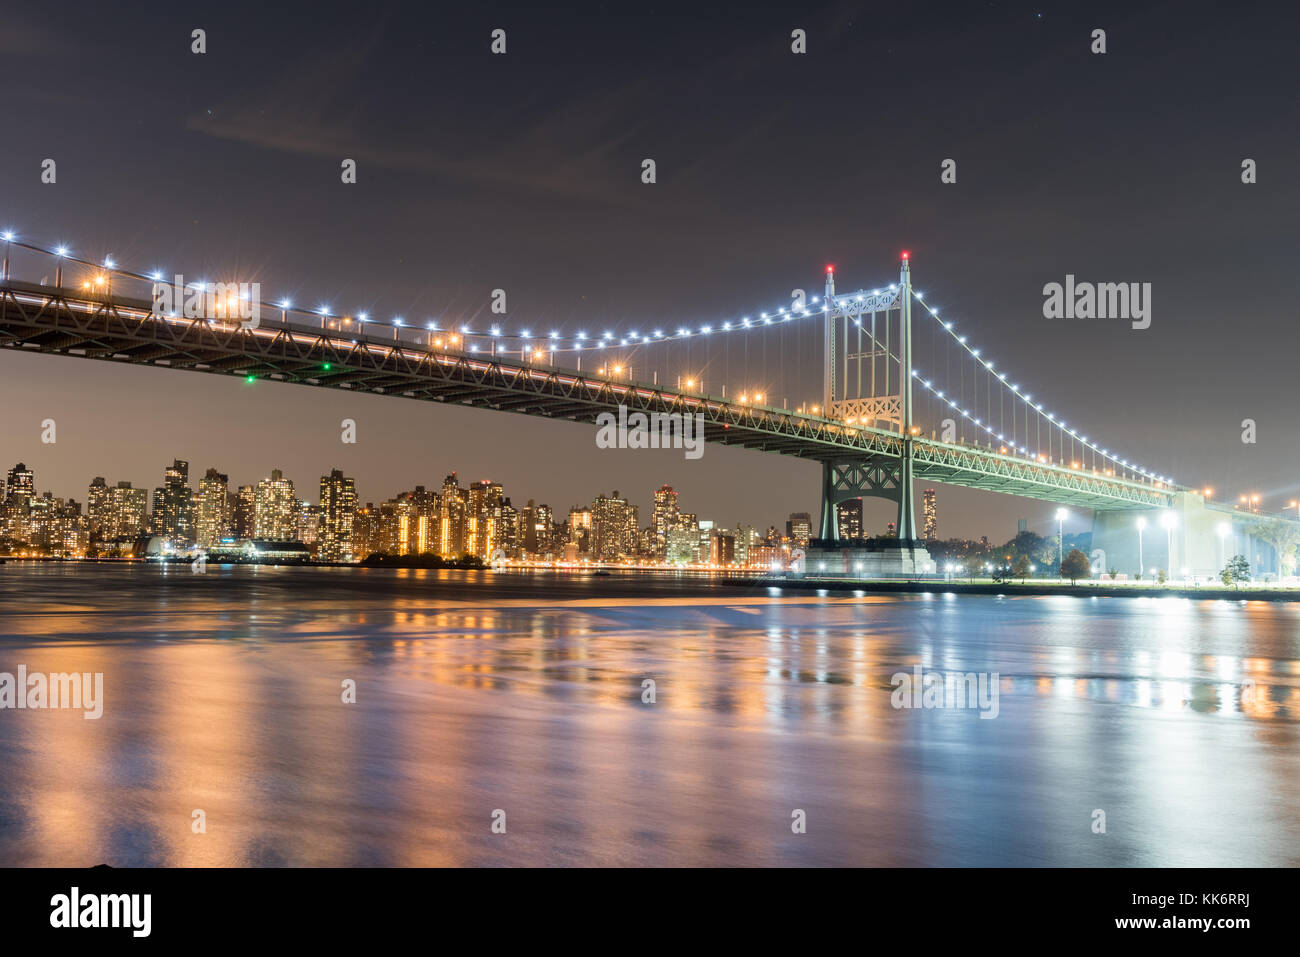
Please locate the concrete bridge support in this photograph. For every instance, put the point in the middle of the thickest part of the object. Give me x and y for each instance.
(903, 557)
(1204, 537)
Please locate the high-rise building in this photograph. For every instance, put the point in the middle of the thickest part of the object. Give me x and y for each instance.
(684, 544)
(535, 523)
(244, 513)
(579, 531)
(130, 511)
(613, 527)
(275, 509)
(309, 517)
(56, 527)
(722, 547)
(173, 505)
(509, 534)
(411, 523)
(20, 489)
(365, 532)
(212, 508)
(664, 515)
(931, 511)
(99, 507)
(848, 516)
(483, 518)
(20, 485)
(647, 544)
(452, 503)
(115, 513)
(746, 543)
(798, 528)
(338, 506)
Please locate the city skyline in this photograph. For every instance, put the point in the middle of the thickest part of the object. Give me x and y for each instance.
(200, 513)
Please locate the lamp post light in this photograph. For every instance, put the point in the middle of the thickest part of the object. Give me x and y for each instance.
(1061, 516)
(1142, 524)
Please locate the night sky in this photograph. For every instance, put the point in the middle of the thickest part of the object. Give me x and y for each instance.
(522, 172)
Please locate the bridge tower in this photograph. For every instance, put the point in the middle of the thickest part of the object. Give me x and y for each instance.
(878, 395)
(906, 505)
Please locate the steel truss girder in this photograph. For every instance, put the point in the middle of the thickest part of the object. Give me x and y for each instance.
(876, 477)
(862, 303)
(887, 408)
(58, 321)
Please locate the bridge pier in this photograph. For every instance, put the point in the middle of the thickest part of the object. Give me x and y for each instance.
(1204, 537)
(882, 477)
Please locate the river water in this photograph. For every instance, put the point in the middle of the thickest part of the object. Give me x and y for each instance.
(521, 700)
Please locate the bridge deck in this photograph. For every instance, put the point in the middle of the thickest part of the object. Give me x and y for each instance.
(67, 322)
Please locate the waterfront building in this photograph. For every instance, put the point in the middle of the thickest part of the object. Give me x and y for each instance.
(212, 508)
(275, 508)
(338, 508)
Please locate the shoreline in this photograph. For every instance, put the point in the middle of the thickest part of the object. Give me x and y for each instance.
(766, 579)
(1028, 589)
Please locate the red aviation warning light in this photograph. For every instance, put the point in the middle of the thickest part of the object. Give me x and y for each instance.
(906, 254)
(830, 268)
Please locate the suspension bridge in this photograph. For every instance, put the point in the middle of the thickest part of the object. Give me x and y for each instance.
(881, 417)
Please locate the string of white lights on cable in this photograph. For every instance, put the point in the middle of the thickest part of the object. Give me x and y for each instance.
(1028, 400)
(554, 341)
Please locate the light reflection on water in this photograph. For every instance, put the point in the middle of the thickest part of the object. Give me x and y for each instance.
(479, 691)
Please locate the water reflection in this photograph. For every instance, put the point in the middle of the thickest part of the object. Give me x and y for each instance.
(525, 693)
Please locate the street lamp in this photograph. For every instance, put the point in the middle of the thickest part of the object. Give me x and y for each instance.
(1168, 519)
(1142, 524)
(1061, 515)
